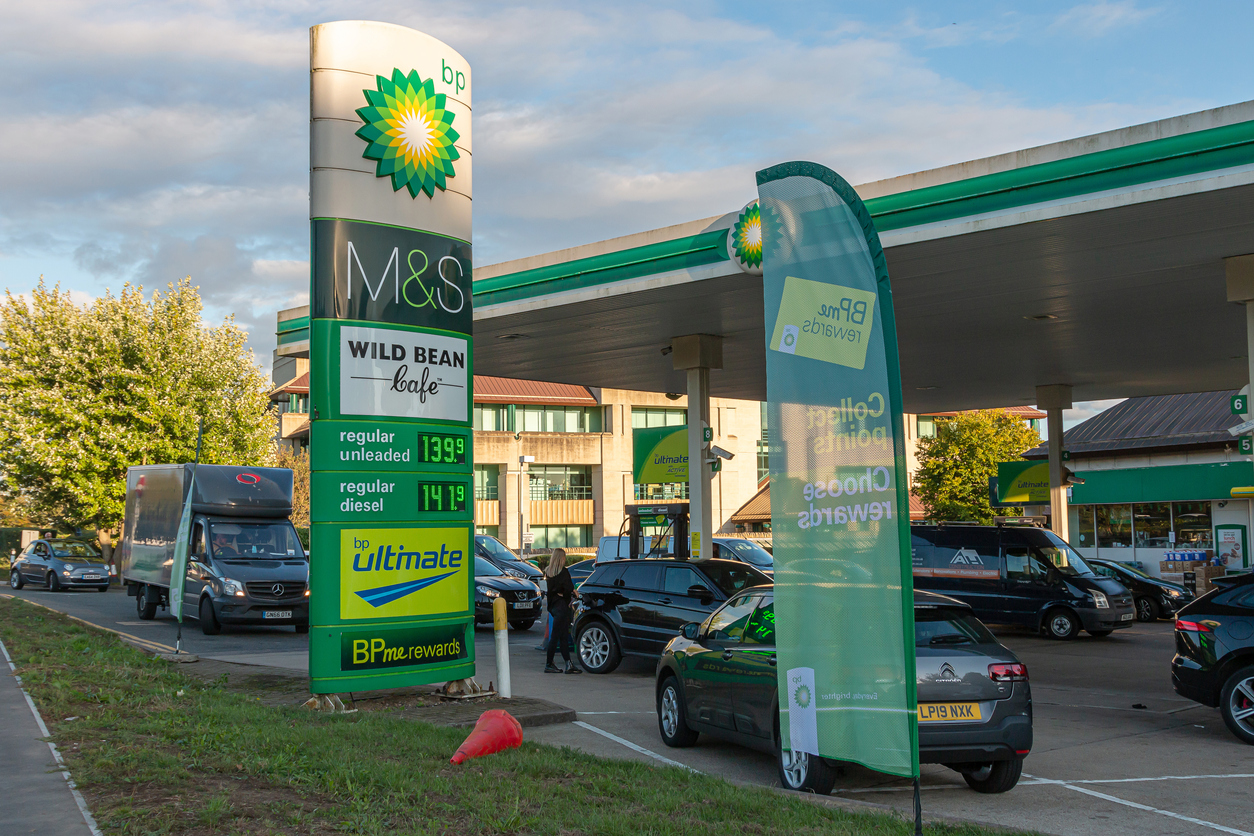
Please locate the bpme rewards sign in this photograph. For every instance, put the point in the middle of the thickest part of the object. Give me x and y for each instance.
(391, 552)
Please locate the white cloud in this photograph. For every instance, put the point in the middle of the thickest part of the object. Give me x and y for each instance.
(1093, 20)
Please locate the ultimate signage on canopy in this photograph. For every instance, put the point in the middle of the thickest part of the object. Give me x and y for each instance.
(391, 453)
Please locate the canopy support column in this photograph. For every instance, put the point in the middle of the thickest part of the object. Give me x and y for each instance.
(697, 354)
(1054, 399)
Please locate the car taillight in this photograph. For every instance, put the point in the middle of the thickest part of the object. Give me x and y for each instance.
(1193, 626)
(1008, 672)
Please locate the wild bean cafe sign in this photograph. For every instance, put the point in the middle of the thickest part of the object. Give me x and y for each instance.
(391, 554)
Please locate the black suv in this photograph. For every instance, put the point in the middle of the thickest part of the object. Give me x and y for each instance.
(1214, 662)
(635, 607)
(1155, 598)
(1019, 575)
(975, 706)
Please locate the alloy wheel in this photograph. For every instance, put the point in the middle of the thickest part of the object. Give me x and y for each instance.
(670, 711)
(1144, 610)
(1241, 704)
(594, 647)
(796, 765)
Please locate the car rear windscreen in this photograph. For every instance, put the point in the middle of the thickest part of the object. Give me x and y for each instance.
(940, 626)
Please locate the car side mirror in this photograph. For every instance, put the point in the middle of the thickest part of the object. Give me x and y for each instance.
(690, 630)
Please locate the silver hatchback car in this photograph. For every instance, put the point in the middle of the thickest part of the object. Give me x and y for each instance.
(60, 564)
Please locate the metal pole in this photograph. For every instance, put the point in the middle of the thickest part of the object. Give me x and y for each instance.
(500, 625)
(700, 504)
(1057, 490)
(918, 809)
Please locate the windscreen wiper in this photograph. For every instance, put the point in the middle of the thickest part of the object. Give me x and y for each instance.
(951, 638)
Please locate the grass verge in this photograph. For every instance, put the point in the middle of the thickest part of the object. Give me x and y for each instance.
(157, 752)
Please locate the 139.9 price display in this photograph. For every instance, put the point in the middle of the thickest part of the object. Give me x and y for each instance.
(439, 448)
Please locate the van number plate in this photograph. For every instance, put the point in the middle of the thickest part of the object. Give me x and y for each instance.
(939, 712)
(1126, 617)
(277, 614)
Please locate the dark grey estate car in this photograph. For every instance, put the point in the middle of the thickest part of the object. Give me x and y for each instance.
(975, 707)
(60, 564)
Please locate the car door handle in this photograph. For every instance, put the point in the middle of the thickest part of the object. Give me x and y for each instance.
(664, 600)
(727, 654)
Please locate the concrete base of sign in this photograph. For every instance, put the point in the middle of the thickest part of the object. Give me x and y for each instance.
(464, 689)
(179, 658)
(327, 702)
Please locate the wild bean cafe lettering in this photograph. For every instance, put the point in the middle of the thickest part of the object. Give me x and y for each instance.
(403, 374)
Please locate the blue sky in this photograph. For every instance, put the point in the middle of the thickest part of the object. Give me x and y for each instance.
(151, 140)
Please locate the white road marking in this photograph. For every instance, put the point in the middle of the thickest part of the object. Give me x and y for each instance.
(634, 747)
(43, 729)
(1170, 814)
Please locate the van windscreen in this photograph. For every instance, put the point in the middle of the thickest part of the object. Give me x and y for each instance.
(1060, 555)
(256, 541)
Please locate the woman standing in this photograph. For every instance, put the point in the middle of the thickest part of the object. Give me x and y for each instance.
(561, 601)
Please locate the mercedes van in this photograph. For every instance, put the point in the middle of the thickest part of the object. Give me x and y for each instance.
(1017, 574)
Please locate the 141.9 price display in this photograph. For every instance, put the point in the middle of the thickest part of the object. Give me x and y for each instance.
(441, 496)
(440, 448)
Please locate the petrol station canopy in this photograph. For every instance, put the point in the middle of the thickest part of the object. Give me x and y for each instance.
(1096, 262)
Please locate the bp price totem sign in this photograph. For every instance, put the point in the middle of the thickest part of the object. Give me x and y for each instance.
(839, 507)
(392, 507)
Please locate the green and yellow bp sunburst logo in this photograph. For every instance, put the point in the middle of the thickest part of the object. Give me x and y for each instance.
(746, 237)
(409, 133)
(802, 696)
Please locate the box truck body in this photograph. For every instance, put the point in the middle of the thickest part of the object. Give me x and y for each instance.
(245, 565)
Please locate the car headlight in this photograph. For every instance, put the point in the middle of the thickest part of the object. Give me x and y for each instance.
(516, 573)
(232, 587)
(487, 592)
(1174, 593)
(1099, 600)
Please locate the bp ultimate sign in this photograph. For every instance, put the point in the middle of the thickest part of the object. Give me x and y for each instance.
(391, 552)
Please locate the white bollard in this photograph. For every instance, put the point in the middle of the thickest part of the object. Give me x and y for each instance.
(501, 625)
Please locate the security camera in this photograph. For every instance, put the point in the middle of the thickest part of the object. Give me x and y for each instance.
(721, 453)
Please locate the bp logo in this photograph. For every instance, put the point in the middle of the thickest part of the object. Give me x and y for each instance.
(409, 133)
(746, 239)
(802, 696)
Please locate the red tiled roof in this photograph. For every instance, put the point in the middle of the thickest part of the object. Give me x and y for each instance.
(510, 390)
(297, 385)
(917, 511)
(1021, 411)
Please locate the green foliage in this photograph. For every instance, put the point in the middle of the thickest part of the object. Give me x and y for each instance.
(88, 391)
(298, 461)
(956, 463)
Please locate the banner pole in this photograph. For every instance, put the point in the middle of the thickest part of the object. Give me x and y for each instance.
(200, 434)
(918, 809)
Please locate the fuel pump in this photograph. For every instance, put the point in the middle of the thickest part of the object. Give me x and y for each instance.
(672, 518)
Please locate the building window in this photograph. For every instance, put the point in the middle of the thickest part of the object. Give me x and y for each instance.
(490, 530)
(1114, 526)
(1151, 524)
(558, 419)
(489, 416)
(643, 417)
(666, 490)
(926, 426)
(561, 536)
(764, 461)
(486, 476)
(1192, 525)
(560, 481)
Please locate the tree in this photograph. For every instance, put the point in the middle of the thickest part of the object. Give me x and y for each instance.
(298, 461)
(956, 463)
(88, 391)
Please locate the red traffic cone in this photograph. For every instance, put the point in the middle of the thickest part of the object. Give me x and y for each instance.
(495, 731)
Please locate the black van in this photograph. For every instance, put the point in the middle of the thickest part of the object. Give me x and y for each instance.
(1012, 574)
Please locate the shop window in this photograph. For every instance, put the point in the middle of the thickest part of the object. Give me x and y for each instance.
(1114, 526)
(558, 419)
(1086, 533)
(1151, 523)
(560, 481)
(926, 425)
(1192, 525)
(489, 416)
(486, 485)
(659, 492)
(561, 536)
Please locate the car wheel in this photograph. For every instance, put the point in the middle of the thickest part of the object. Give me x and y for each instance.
(1146, 609)
(998, 776)
(672, 717)
(54, 583)
(302, 628)
(15, 578)
(208, 621)
(522, 624)
(805, 773)
(1061, 624)
(1236, 702)
(598, 649)
(145, 604)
